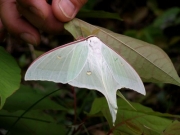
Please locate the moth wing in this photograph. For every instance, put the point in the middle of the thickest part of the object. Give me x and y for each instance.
(61, 64)
(122, 71)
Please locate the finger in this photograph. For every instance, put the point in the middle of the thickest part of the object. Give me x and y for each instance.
(66, 10)
(39, 13)
(14, 23)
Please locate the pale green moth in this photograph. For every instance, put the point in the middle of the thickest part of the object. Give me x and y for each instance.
(87, 63)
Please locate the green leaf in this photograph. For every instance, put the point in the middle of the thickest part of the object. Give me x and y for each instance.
(32, 123)
(172, 129)
(10, 76)
(121, 96)
(143, 120)
(150, 61)
(148, 34)
(98, 14)
(26, 97)
(167, 19)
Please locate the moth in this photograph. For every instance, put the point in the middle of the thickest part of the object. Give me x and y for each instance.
(87, 63)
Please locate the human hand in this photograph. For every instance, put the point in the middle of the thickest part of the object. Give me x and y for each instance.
(24, 18)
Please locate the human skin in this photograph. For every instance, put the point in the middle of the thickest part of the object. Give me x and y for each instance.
(24, 18)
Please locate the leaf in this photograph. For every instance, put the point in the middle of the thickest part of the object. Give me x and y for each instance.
(129, 121)
(172, 129)
(151, 62)
(25, 97)
(167, 19)
(97, 14)
(148, 34)
(10, 76)
(32, 123)
(121, 96)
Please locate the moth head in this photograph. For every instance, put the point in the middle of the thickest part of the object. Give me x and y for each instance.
(93, 40)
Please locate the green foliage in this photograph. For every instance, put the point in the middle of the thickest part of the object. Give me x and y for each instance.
(173, 128)
(28, 116)
(32, 123)
(154, 32)
(143, 120)
(167, 19)
(9, 76)
(26, 97)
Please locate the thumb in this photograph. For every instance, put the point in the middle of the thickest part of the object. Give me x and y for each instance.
(65, 10)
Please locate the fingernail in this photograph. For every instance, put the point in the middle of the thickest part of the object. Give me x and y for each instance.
(28, 38)
(68, 8)
(37, 12)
